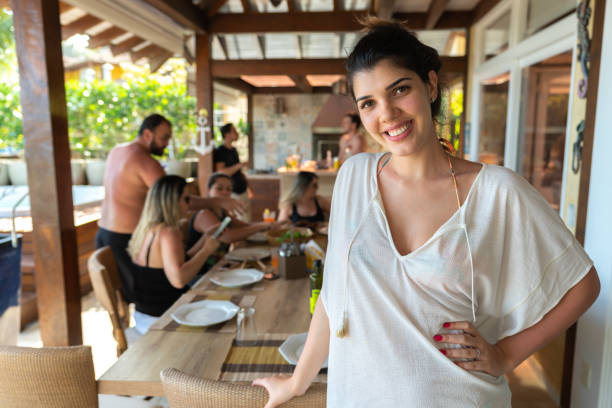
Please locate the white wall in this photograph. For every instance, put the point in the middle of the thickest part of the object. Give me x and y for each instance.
(594, 340)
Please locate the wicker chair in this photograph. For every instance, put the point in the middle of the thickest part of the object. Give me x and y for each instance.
(61, 377)
(107, 287)
(184, 390)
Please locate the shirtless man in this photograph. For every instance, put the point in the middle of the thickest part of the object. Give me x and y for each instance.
(130, 171)
(352, 142)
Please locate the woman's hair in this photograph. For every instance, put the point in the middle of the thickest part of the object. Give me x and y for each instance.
(161, 207)
(354, 117)
(300, 184)
(390, 40)
(216, 176)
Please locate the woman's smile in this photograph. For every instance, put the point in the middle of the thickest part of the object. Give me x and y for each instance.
(399, 132)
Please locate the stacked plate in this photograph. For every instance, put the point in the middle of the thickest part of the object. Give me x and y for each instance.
(236, 278)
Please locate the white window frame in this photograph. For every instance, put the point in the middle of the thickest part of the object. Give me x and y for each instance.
(553, 40)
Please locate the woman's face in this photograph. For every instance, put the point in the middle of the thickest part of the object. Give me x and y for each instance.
(311, 191)
(184, 202)
(394, 105)
(221, 188)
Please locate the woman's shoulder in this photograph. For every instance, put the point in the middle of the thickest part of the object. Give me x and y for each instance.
(170, 232)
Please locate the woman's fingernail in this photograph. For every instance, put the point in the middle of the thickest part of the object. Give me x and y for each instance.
(443, 352)
(446, 325)
(437, 337)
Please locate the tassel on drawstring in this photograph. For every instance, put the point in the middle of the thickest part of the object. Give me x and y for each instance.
(343, 330)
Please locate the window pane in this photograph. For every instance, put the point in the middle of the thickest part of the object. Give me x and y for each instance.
(541, 13)
(492, 130)
(496, 36)
(545, 98)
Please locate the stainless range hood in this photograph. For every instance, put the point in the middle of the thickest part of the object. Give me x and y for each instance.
(329, 119)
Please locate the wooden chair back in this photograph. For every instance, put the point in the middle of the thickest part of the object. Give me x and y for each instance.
(184, 390)
(107, 288)
(52, 377)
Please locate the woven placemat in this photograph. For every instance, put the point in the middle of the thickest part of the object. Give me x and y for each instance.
(252, 359)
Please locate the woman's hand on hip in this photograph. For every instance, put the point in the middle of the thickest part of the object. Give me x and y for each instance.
(476, 354)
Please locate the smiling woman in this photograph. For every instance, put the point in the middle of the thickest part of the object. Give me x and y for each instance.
(441, 274)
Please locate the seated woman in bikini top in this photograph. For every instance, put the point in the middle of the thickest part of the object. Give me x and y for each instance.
(220, 185)
(160, 271)
(302, 205)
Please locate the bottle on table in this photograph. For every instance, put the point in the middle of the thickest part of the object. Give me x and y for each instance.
(316, 283)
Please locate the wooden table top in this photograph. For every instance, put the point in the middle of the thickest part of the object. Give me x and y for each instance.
(281, 306)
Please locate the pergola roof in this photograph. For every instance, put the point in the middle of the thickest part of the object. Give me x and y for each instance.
(264, 37)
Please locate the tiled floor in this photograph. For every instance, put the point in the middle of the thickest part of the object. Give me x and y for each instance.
(527, 389)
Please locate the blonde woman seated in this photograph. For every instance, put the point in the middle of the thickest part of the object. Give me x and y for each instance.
(160, 271)
(302, 205)
(220, 185)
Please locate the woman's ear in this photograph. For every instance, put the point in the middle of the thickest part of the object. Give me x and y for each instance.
(432, 86)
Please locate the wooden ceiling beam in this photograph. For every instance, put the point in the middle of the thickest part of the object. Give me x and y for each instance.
(156, 61)
(286, 23)
(262, 45)
(302, 83)
(290, 6)
(290, 90)
(216, 7)
(126, 45)
(435, 11)
(320, 66)
(245, 6)
(482, 8)
(184, 12)
(236, 83)
(449, 19)
(383, 8)
(149, 51)
(235, 68)
(105, 37)
(79, 26)
(298, 46)
(63, 7)
(223, 46)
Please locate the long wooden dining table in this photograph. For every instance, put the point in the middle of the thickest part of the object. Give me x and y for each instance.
(281, 309)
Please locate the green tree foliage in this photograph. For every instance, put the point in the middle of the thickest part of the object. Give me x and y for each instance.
(103, 114)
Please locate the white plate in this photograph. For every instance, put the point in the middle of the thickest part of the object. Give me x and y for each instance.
(292, 348)
(235, 278)
(258, 237)
(249, 254)
(205, 312)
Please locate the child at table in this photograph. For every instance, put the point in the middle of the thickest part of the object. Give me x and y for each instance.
(160, 270)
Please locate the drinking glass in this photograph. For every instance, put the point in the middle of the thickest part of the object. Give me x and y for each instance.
(246, 324)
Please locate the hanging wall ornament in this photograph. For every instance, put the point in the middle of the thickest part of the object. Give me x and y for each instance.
(584, 45)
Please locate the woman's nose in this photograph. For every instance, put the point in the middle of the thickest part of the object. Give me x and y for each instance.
(387, 111)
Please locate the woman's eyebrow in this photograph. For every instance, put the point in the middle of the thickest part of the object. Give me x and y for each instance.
(391, 85)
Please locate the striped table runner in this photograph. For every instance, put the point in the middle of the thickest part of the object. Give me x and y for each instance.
(248, 360)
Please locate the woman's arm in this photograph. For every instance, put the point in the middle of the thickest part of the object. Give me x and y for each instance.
(500, 358)
(222, 203)
(316, 349)
(284, 213)
(238, 234)
(179, 272)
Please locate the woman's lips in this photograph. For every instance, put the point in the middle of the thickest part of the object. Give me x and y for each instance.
(399, 132)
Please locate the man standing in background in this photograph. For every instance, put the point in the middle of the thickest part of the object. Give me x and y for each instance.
(226, 160)
(352, 142)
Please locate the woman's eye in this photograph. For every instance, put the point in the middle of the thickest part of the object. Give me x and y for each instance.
(400, 90)
(366, 104)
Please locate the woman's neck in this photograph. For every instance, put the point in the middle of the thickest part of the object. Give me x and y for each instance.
(429, 162)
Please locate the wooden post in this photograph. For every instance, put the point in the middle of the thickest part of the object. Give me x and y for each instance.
(204, 94)
(47, 153)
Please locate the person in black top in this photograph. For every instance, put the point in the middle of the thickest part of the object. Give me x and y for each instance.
(159, 266)
(220, 185)
(226, 161)
(302, 205)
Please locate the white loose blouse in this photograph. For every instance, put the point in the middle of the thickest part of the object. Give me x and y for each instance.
(502, 261)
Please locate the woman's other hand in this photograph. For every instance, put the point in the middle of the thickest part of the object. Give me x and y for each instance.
(485, 357)
(210, 245)
(280, 389)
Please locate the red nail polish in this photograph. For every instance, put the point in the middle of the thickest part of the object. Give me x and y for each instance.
(437, 337)
(443, 352)
(446, 325)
